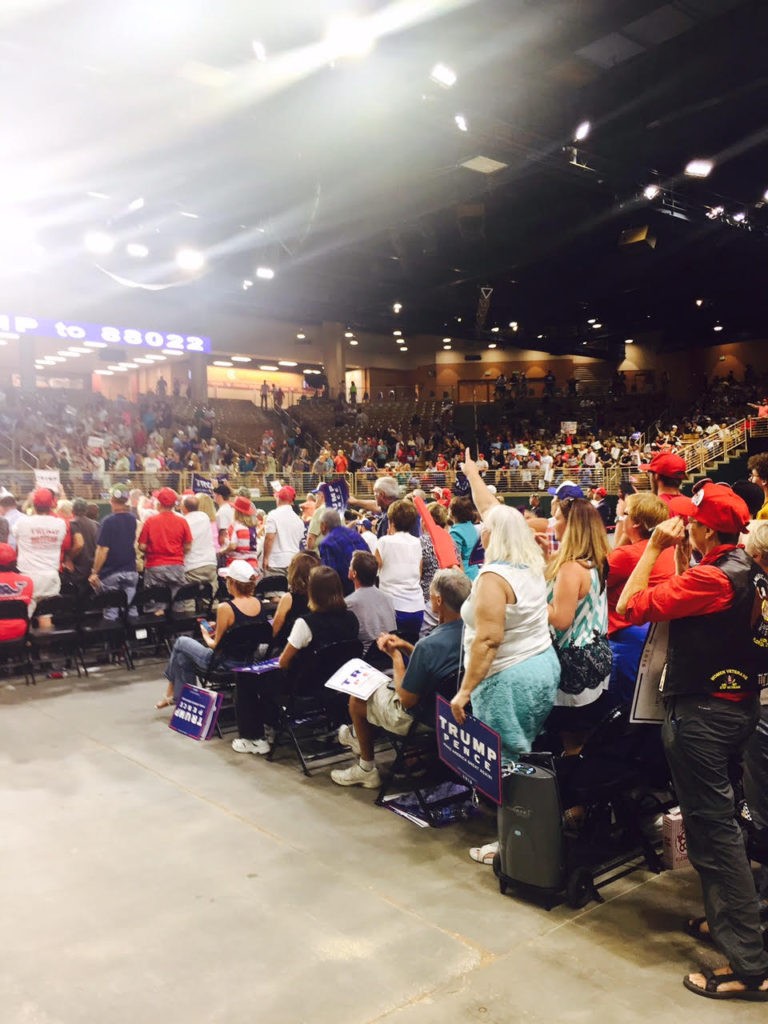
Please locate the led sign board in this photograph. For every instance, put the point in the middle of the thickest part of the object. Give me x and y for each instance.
(72, 330)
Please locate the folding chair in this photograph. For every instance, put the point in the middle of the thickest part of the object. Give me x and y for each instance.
(184, 621)
(310, 715)
(16, 652)
(240, 646)
(148, 628)
(63, 637)
(110, 634)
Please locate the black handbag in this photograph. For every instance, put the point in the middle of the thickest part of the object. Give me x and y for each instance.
(585, 668)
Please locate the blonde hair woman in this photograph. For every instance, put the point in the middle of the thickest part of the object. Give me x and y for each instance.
(578, 614)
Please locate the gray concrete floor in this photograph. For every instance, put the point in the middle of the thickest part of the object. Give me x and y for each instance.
(147, 878)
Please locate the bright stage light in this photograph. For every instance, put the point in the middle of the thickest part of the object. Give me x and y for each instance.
(259, 50)
(740, 217)
(137, 250)
(717, 327)
(396, 307)
(629, 341)
(699, 302)
(190, 260)
(99, 243)
(699, 168)
(461, 123)
(265, 273)
(492, 345)
(714, 212)
(582, 131)
(443, 75)
(651, 191)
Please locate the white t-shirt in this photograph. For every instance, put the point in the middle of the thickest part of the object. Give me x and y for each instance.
(202, 551)
(39, 540)
(400, 573)
(225, 516)
(288, 530)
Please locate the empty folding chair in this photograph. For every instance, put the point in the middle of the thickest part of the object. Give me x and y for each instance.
(110, 634)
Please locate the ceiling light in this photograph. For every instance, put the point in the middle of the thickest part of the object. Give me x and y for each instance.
(396, 307)
(99, 243)
(348, 36)
(221, 362)
(265, 273)
(156, 359)
(80, 351)
(116, 368)
(717, 327)
(446, 348)
(174, 352)
(740, 217)
(596, 326)
(104, 373)
(247, 284)
(461, 123)
(403, 348)
(592, 320)
(349, 334)
(400, 341)
(186, 213)
(190, 260)
(492, 345)
(56, 359)
(484, 165)
(130, 366)
(243, 359)
(446, 341)
(513, 325)
(443, 75)
(97, 195)
(715, 211)
(699, 302)
(582, 131)
(699, 168)
(267, 366)
(94, 344)
(301, 336)
(651, 191)
(65, 353)
(397, 334)
(137, 204)
(285, 362)
(353, 341)
(494, 330)
(143, 360)
(629, 341)
(259, 50)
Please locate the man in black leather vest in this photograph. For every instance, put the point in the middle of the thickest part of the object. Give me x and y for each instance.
(716, 664)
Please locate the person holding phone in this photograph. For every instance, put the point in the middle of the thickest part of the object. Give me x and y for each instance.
(190, 657)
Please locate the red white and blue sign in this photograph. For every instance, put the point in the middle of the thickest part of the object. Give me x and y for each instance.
(472, 750)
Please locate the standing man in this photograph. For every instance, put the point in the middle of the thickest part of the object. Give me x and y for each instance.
(264, 392)
(39, 542)
(385, 491)
(337, 545)
(283, 534)
(715, 666)
(79, 558)
(114, 561)
(225, 513)
(165, 540)
(665, 474)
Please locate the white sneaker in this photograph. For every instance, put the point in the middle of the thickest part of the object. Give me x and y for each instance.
(357, 776)
(242, 746)
(347, 738)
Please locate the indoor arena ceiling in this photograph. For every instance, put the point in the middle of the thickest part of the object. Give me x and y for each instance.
(244, 130)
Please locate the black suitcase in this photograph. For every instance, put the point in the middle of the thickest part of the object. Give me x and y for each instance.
(531, 848)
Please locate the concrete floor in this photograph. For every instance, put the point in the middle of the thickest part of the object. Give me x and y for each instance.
(147, 878)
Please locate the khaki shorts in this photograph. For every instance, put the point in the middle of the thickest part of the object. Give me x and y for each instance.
(386, 711)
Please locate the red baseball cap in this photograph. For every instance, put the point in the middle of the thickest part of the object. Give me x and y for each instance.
(244, 506)
(286, 493)
(7, 554)
(600, 492)
(666, 464)
(43, 497)
(167, 497)
(715, 506)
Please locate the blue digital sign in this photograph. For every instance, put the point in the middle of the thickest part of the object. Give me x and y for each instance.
(75, 330)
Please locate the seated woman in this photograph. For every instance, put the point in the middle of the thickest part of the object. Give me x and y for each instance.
(295, 601)
(327, 621)
(190, 657)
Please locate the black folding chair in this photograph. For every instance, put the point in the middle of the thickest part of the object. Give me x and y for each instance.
(109, 634)
(62, 637)
(310, 715)
(16, 653)
(191, 603)
(147, 628)
(240, 646)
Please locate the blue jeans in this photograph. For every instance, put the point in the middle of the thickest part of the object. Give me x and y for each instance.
(188, 658)
(127, 581)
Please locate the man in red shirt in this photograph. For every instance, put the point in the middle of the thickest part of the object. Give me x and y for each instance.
(716, 663)
(165, 539)
(666, 473)
(13, 587)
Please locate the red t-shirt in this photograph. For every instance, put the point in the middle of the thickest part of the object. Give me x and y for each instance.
(165, 536)
(14, 587)
(621, 561)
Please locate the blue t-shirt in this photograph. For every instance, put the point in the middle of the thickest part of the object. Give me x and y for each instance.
(118, 533)
(435, 659)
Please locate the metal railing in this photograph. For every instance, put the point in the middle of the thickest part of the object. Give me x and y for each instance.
(715, 447)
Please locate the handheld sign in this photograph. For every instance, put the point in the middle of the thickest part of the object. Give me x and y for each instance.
(196, 713)
(472, 750)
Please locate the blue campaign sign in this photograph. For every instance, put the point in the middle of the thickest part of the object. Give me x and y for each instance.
(196, 713)
(202, 484)
(472, 750)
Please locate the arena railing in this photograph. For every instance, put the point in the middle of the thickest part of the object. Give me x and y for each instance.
(704, 453)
